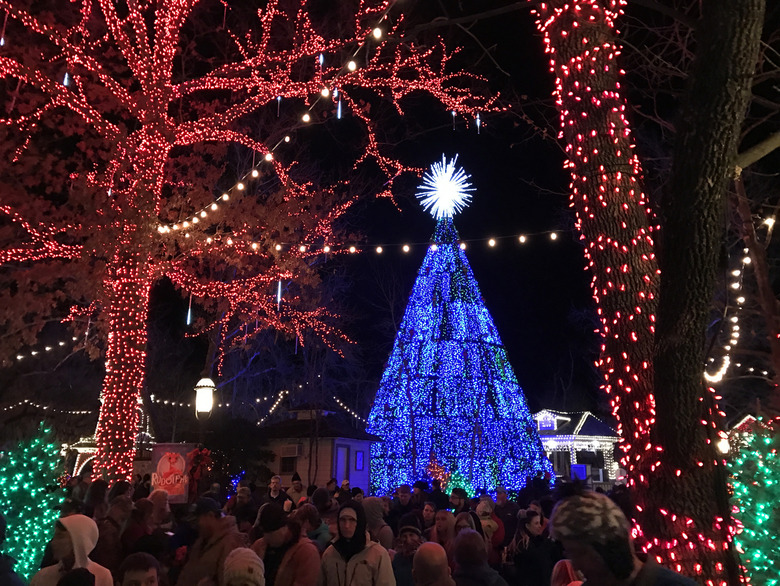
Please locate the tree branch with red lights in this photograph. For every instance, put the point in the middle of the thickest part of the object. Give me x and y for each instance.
(119, 127)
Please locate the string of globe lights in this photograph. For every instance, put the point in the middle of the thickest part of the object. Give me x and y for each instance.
(282, 394)
(736, 288)
(46, 349)
(49, 408)
(170, 402)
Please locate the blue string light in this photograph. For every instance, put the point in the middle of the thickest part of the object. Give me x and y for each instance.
(448, 395)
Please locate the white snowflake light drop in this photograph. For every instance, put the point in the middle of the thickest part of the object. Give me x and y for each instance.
(445, 189)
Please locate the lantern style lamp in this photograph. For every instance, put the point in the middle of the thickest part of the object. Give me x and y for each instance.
(204, 397)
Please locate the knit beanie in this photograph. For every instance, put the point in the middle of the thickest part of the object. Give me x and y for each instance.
(243, 567)
(595, 519)
(591, 517)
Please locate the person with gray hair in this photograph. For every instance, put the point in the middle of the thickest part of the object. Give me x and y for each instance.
(596, 537)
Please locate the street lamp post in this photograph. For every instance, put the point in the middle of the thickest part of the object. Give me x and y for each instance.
(204, 403)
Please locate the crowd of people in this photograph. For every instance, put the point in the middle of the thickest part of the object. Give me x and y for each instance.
(129, 535)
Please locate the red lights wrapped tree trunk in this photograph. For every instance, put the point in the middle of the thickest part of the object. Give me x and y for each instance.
(116, 117)
(653, 368)
(128, 299)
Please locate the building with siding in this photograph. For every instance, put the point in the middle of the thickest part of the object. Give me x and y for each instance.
(320, 445)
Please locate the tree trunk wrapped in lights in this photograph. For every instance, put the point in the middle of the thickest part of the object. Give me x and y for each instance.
(653, 371)
(113, 120)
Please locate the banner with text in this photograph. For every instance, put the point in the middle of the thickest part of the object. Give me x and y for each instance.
(170, 470)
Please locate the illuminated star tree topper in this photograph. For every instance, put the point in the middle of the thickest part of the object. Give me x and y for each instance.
(445, 189)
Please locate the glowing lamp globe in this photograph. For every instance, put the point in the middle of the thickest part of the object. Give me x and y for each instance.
(204, 396)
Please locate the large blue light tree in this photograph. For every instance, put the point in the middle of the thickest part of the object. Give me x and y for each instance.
(449, 400)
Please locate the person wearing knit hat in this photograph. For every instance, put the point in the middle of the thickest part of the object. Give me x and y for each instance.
(296, 491)
(352, 559)
(406, 545)
(290, 558)
(597, 539)
(243, 568)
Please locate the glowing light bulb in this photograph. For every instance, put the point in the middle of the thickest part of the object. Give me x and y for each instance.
(185, 224)
(255, 172)
(254, 246)
(306, 117)
(195, 220)
(769, 222)
(269, 157)
(352, 249)
(406, 248)
(286, 139)
(377, 32)
(352, 66)
(203, 214)
(434, 247)
(278, 247)
(240, 186)
(522, 239)
(326, 248)
(214, 207)
(379, 250)
(225, 197)
(324, 92)
(554, 236)
(302, 248)
(492, 242)
(463, 246)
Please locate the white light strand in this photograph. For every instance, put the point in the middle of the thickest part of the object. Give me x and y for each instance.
(348, 410)
(49, 408)
(735, 286)
(30, 353)
(306, 249)
(171, 403)
(282, 395)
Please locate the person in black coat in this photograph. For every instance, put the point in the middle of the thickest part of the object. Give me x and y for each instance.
(534, 555)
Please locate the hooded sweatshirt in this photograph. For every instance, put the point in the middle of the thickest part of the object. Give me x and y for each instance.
(83, 533)
(375, 522)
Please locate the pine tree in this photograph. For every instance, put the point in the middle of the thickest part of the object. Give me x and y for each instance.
(756, 482)
(448, 394)
(28, 474)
